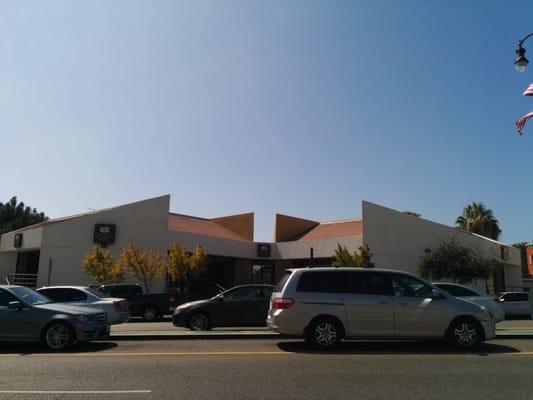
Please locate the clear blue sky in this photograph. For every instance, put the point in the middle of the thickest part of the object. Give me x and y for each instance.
(298, 107)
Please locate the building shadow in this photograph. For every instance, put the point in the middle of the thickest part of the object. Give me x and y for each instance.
(23, 349)
(395, 347)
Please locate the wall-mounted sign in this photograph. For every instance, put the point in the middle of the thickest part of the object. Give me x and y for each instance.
(17, 242)
(504, 252)
(104, 234)
(263, 250)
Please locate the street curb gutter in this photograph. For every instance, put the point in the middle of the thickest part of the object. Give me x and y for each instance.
(248, 336)
(207, 336)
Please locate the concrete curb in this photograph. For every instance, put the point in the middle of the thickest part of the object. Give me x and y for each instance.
(196, 336)
(254, 335)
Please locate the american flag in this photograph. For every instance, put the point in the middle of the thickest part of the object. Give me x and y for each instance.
(528, 91)
(521, 123)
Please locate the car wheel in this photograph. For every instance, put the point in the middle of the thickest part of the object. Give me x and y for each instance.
(324, 333)
(150, 314)
(465, 334)
(199, 322)
(57, 336)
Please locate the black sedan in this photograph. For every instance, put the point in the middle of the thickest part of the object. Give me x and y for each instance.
(245, 305)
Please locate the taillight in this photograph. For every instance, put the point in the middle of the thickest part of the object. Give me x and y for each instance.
(172, 299)
(498, 300)
(117, 306)
(282, 304)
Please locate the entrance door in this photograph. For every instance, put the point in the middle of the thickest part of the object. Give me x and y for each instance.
(27, 268)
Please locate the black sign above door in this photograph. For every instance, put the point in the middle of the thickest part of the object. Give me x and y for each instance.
(104, 234)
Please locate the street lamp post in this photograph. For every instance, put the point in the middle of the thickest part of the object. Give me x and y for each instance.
(520, 63)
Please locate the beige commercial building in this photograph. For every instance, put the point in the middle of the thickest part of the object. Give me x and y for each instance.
(51, 253)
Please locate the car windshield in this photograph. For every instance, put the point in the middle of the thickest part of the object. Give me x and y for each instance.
(30, 296)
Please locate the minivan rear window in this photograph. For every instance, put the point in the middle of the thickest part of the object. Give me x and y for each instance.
(283, 281)
(321, 281)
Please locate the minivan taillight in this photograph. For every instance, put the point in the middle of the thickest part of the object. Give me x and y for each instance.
(117, 306)
(498, 300)
(282, 304)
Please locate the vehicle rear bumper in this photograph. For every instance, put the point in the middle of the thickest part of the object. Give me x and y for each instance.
(282, 322)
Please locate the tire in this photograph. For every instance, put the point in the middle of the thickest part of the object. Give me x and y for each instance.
(150, 314)
(199, 322)
(324, 333)
(465, 333)
(57, 336)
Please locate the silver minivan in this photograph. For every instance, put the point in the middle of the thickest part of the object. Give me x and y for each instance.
(325, 305)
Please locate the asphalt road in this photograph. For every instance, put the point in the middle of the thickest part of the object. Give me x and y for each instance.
(267, 369)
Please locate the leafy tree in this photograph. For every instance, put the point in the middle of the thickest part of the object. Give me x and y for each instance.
(414, 214)
(184, 267)
(476, 218)
(144, 266)
(457, 263)
(360, 258)
(99, 264)
(15, 215)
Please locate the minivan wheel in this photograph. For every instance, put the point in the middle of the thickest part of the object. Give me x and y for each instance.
(324, 333)
(199, 322)
(150, 314)
(57, 336)
(465, 334)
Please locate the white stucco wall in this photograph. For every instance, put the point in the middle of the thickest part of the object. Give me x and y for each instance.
(31, 240)
(399, 241)
(322, 248)
(66, 243)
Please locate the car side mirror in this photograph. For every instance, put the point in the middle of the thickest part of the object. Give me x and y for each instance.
(15, 305)
(436, 294)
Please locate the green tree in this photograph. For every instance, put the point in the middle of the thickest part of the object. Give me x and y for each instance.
(476, 218)
(144, 266)
(184, 267)
(360, 258)
(14, 215)
(414, 214)
(453, 261)
(99, 264)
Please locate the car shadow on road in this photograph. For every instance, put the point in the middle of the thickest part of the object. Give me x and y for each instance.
(395, 347)
(23, 349)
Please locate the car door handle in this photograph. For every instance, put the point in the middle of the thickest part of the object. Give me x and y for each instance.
(402, 304)
(383, 302)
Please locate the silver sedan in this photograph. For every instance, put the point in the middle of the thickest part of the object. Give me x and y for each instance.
(118, 310)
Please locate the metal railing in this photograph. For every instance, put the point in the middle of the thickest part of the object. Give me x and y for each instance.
(28, 280)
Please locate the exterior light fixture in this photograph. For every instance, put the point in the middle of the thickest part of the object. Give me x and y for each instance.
(520, 62)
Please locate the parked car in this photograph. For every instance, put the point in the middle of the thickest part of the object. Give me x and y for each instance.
(491, 303)
(149, 306)
(118, 310)
(325, 305)
(28, 316)
(245, 305)
(516, 304)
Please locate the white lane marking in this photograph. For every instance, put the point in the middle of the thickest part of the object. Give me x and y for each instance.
(75, 391)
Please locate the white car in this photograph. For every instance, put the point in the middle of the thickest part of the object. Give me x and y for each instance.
(516, 304)
(491, 303)
(118, 310)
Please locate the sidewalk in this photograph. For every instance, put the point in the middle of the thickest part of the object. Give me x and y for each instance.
(165, 330)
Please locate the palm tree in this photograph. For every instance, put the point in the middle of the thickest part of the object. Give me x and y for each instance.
(478, 219)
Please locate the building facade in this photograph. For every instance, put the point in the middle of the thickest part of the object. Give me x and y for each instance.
(51, 253)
